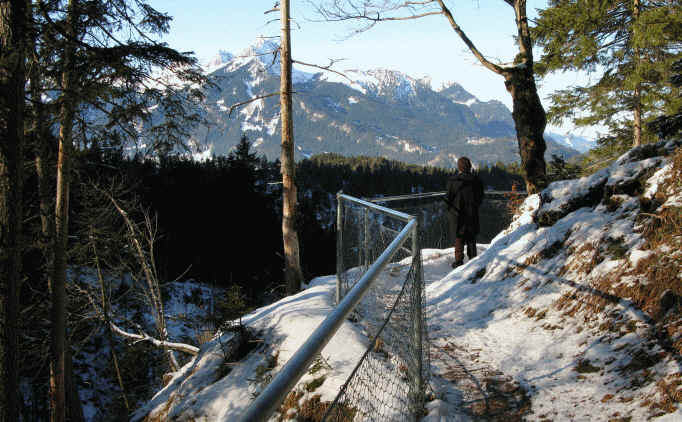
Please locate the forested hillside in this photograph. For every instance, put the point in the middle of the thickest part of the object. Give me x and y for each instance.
(218, 211)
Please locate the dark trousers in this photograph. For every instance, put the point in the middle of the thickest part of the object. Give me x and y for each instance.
(470, 242)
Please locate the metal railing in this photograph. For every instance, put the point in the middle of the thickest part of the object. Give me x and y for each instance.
(371, 267)
(431, 209)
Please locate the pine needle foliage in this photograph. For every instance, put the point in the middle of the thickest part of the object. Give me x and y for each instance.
(627, 47)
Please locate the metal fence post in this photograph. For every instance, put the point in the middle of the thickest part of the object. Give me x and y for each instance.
(366, 240)
(339, 244)
(417, 322)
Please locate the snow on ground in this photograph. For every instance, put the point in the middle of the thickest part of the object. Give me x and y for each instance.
(196, 391)
(527, 329)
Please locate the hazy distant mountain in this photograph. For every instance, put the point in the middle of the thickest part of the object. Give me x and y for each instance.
(377, 112)
(576, 142)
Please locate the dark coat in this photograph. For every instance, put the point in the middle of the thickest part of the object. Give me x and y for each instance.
(464, 197)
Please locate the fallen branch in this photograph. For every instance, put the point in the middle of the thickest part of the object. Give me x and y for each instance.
(180, 347)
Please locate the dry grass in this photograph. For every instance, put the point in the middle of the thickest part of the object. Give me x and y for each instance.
(505, 401)
(531, 260)
(670, 393)
(613, 202)
(204, 335)
(541, 315)
(514, 200)
(311, 409)
(314, 384)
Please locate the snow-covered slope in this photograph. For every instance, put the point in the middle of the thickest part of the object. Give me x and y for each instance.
(571, 314)
(563, 306)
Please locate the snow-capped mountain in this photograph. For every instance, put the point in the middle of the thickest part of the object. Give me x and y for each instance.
(218, 60)
(576, 142)
(368, 112)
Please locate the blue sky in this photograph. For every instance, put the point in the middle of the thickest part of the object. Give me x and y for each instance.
(427, 46)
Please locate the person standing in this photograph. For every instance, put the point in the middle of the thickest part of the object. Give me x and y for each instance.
(464, 197)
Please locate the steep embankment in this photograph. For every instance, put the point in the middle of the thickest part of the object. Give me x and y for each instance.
(571, 314)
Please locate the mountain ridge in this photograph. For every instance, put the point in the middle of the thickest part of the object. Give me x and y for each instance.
(379, 112)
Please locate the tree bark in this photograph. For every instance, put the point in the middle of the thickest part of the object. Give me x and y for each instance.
(530, 121)
(637, 94)
(13, 25)
(292, 266)
(66, 117)
(529, 116)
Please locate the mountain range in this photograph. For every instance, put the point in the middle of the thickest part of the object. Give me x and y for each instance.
(374, 112)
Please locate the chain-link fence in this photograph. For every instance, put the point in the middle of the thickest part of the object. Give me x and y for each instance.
(431, 209)
(380, 287)
(388, 382)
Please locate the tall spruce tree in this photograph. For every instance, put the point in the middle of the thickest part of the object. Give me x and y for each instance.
(630, 45)
(104, 61)
(13, 28)
(670, 124)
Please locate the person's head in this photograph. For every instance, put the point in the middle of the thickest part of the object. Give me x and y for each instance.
(464, 165)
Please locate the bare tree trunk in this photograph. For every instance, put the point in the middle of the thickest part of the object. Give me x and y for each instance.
(529, 115)
(292, 266)
(74, 408)
(106, 314)
(637, 95)
(67, 112)
(40, 142)
(637, 117)
(530, 121)
(13, 23)
(153, 290)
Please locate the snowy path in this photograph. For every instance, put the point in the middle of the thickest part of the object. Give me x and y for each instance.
(465, 386)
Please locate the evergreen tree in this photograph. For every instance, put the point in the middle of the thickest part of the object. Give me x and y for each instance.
(670, 124)
(13, 28)
(101, 59)
(630, 44)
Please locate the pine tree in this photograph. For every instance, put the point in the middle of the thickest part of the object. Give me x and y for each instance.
(630, 44)
(670, 124)
(102, 60)
(13, 26)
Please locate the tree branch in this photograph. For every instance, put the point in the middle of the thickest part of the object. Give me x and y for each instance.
(485, 62)
(180, 347)
(259, 97)
(327, 68)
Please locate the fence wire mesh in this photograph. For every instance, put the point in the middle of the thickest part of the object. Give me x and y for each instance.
(433, 214)
(388, 382)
